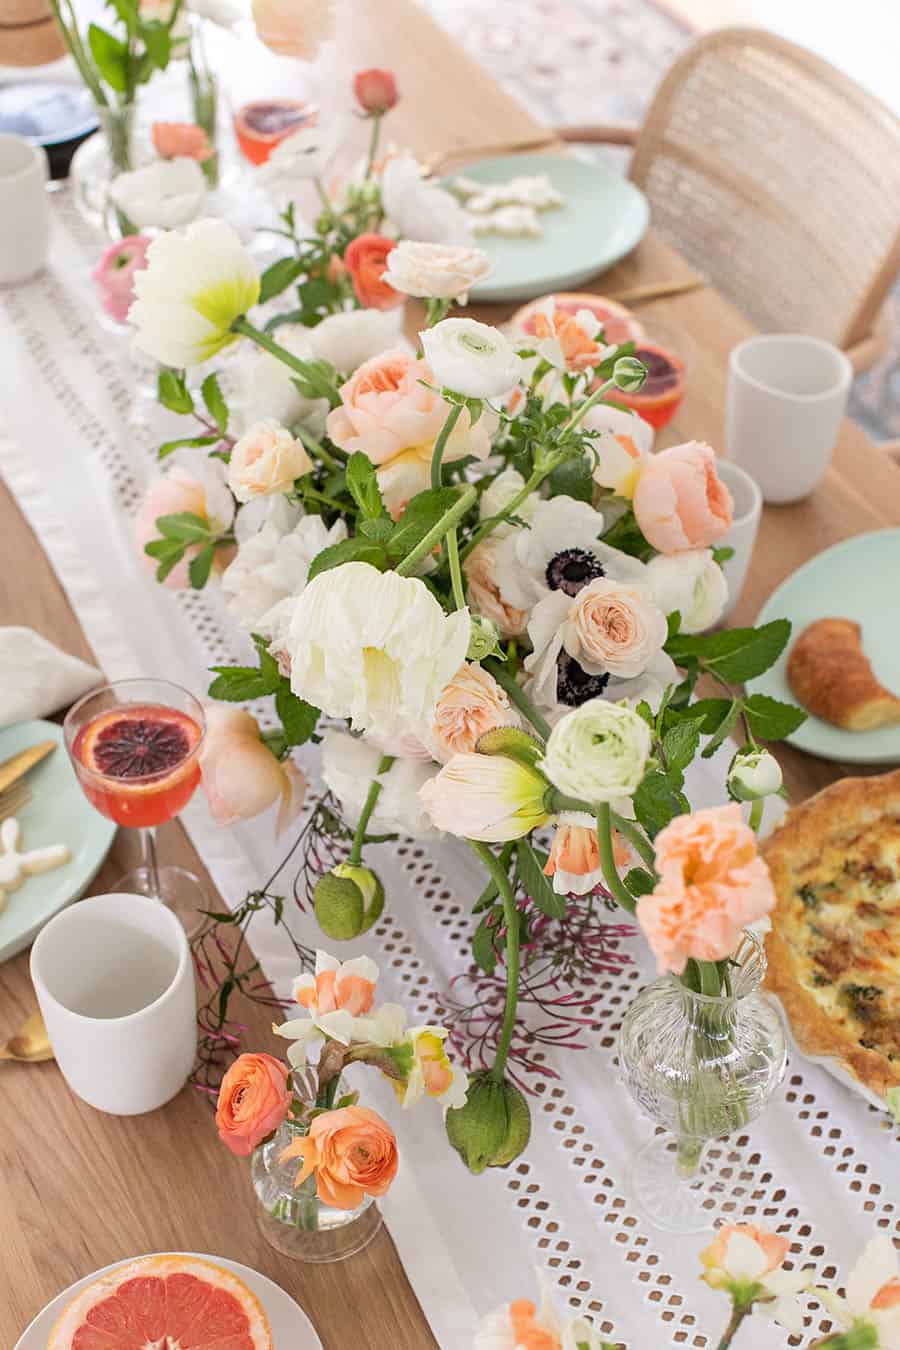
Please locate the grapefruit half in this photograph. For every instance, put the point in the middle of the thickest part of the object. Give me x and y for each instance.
(168, 1302)
(619, 324)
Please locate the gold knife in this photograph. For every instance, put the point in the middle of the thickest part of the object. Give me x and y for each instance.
(11, 770)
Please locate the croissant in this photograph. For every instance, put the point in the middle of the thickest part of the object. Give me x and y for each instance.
(830, 674)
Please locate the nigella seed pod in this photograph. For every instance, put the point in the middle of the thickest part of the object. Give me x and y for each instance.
(348, 900)
(494, 1125)
(572, 569)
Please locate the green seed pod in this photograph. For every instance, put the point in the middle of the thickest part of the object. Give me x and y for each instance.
(493, 1127)
(348, 900)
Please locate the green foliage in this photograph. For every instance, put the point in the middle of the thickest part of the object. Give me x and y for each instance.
(188, 442)
(421, 516)
(573, 479)
(626, 535)
(530, 874)
(357, 549)
(362, 484)
(110, 57)
(279, 276)
(215, 402)
(298, 718)
(178, 533)
(735, 655)
(659, 800)
(770, 719)
(640, 882)
(172, 391)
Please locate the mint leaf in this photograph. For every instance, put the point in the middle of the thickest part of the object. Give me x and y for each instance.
(317, 379)
(483, 951)
(724, 729)
(721, 555)
(278, 277)
(298, 717)
(529, 870)
(185, 526)
(357, 549)
(215, 403)
(200, 567)
(640, 882)
(362, 484)
(770, 719)
(572, 479)
(172, 391)
(657, 802)
(188, 441)
(737, 655)
(237, 684)
(680, 743)
(420, 516)
(379, 531)
(158, 43)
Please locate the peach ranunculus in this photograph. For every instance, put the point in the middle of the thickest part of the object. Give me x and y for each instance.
(574, 861)
(267, 459)
(376, 90)
(366, 259)
(351, 1151)
(239, 773)
(471, 704)
(712, 884)
(387, 413)
(680, 501)
(173, 493)
(253, 1101)
(484, 594)
(294, 28)
(181, 140)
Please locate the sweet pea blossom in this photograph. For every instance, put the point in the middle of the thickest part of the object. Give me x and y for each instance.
(336, 998)
(680, 501)
(350, 764)
(435, 271)
(165, 194)
(375, 647)
(418, 209)
(746, 1261)
(193, 288)
(267, 459)
(240, 775)
(486, 797)
(471, 358)
(691, 583)
(114, 274)
(598, 752)
(873, 1294)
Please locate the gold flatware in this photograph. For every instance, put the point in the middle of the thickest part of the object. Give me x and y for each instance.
(20, 764)
(657, 290)
(30, 1044)
(14, 799)
(431, 163)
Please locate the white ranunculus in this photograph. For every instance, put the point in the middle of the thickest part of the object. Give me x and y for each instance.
(271, 568)
(691, 583)
(267, 460)
(471, 358)
(497, 496)
(164, 194)
(754, 775)
(435, 271)
(345, 341)
(421, 210)
(598, 752)
(194, 286)
(375, 647)
(350, 763)
(621, 448)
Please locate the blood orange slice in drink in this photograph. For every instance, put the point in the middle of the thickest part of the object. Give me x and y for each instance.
(619, 324)
(136, 762)
(166, 1302)
(259, 126)
(660, 396)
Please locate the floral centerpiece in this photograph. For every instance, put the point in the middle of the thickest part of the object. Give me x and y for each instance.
(465, 554)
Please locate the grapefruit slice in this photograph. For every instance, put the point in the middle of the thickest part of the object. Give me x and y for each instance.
(167, 1302)
(661, 394)
(144, 740)
(259, 126)
(619, 324)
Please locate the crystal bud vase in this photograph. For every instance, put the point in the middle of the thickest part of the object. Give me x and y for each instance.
(293, 1219)
(204, 93)
(102, 157)
(701, 1066)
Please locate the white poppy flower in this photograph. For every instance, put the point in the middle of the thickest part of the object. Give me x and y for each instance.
(193, 288)
(165, 194)
(421, 210)
(691, 583)
(435, 271)
(271, 567)
(471, 358)
(375, 647)
(350, 763)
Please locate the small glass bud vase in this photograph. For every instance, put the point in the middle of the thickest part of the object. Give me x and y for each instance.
(293, 1219)
(701, 1066)
(99, 161)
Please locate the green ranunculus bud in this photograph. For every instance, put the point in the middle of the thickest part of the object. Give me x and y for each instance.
(484, 639)
(493, 1127)
(348, 900)
(629, 374)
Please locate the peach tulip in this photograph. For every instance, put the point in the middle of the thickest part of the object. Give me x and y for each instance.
(240, 775)
(680, 501)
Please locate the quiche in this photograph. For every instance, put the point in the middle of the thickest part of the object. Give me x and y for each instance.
(834, 949)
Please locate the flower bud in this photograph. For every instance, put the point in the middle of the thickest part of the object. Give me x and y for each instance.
(376, 90)
(493, 1127)
(754, 775)
(629, 374)
(348, 900)
(484, 639)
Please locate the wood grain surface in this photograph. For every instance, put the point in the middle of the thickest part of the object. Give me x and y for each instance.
(79, 1189)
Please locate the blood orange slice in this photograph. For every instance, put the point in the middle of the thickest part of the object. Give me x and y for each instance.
(144, 740)
(660, 396)
(619, 324)
(259, 126)
(166, 1302)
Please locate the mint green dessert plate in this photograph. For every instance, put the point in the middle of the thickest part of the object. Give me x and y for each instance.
(604, 216)
(857, 579)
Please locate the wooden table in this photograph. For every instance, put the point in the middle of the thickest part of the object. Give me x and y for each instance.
(79, 1189)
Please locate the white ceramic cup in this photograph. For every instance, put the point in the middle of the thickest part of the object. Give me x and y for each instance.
(741, 537)
(786, 396)
(24, 209)
(115, 981)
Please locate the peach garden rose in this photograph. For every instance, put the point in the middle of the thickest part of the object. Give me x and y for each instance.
(471, 704)
(680, 501)
(253, 1101)
(352, 1152)
(266, 460)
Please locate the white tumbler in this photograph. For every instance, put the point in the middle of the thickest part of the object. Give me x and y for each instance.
(24, 209)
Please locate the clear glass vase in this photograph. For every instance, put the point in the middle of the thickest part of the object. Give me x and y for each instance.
(204, 91)
(102, 157)
(701, 1067)
(294, 1220)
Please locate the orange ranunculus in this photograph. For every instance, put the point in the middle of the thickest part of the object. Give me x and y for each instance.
(253, 1101)
(376, 90)
(353, 1153)
(181, 140)
(712, 883)
(366, 258)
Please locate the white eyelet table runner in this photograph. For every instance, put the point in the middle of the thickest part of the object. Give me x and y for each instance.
(821, 1166)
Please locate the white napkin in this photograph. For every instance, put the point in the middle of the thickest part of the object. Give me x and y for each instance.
(36, 678)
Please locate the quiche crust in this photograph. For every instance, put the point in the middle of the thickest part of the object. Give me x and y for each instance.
(834, 949)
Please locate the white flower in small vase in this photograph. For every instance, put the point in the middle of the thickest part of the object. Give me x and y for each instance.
(421, 210)
(435, 271)
(743, 1259)
(350, 763)
(270, 571)
(195, 285)
(165, 194)
(471, 358)
(691, 583)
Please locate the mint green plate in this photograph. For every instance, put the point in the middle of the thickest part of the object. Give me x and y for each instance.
(58, 813)
(604, 217)
(857, 579)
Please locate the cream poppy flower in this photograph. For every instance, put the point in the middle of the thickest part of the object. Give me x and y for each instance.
(486, 797)
(375, 647)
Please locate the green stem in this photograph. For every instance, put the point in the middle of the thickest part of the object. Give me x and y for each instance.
(459, 594)
(588, 403)
(510, 509)
(243, 326)
(373, 143)
(614, 884)
(756, 813)
(366, 814)
(511, 920)
(636, 838)
(437, 454)
(72, 39)
(738, 1314)
(434, 536)
(318, 451)
(710, 980)
(323, 195)
(435, 310)
(518, 697)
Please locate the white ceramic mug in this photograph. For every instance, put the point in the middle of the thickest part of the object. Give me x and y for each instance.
(786, 396)
(741, 536)
(24, 209)
(115, 981)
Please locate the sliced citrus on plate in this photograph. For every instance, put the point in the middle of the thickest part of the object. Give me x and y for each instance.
(263, 124)
(619, 324)
(168, 1302)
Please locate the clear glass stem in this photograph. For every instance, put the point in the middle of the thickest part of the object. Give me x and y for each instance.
(149, 859)
(690, 1153)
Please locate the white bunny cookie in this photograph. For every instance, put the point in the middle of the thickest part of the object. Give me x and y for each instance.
(16, 865)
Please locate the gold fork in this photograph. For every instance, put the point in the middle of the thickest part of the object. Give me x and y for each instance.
(13, 799)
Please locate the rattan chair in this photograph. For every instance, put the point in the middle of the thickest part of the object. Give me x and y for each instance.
(778, 178)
